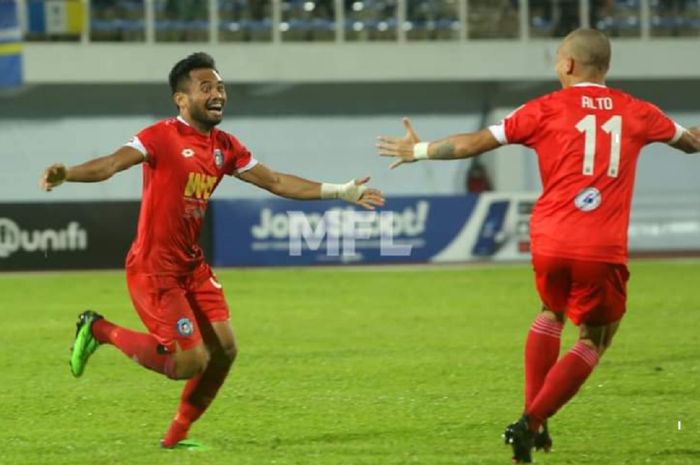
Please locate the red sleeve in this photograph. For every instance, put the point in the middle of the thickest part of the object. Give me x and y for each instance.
(521, 125)
(660, 128)
(239, 159)
(145, 142)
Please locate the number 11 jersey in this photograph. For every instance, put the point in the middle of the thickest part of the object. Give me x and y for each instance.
(587, 138)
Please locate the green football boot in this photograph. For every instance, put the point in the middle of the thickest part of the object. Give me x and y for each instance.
(85, 343)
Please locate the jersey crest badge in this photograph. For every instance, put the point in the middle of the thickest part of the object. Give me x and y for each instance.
(185, 327)
(218, 158)
(588, 199)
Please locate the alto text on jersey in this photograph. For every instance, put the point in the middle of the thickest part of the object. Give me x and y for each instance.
(596, 103)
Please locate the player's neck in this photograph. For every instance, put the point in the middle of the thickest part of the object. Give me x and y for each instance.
(573, 81)
(204, 130)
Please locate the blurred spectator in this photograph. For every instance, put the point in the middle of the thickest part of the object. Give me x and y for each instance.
(185, 21)
(563, 16)
(245, 20)
(432, 20)
(307, 20)
(117, 20)
(371, 19)
(674, 6)
(259, 10)
(325, 9)
(568, 18)
(104, 5)
(186, 10)
(493, 19)
(675, 17)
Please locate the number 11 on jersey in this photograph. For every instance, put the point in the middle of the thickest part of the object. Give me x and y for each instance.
(588, 126)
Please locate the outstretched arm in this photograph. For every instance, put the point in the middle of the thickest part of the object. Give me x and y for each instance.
(689, 142)
(410, 149)
(95, 170)
(294, 187)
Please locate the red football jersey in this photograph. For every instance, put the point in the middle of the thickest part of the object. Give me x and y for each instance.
(181, 169)
(587, 138)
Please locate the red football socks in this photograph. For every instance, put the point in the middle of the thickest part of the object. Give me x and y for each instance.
(541, 353)
(140, 347)
(563, 381)
(196, 397)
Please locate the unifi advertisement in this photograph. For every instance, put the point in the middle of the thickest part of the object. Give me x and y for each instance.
(65, 235)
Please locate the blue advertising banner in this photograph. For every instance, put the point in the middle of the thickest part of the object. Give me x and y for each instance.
(283, 232)
(10, 45)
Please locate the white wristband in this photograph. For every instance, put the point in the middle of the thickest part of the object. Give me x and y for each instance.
(420, 151)
(350, 192)
(330, 191)
(679, 133)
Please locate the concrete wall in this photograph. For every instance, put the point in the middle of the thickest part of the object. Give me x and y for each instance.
(323, 148)
(328, 149)
(322, 131)
(491, 60)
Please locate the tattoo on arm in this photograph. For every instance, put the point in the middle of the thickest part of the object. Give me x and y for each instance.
(445, 151)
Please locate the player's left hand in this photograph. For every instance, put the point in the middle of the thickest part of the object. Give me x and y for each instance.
(400, 148)
(357, 192)
(53, 176)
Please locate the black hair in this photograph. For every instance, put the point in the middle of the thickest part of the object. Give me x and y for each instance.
(180, 73)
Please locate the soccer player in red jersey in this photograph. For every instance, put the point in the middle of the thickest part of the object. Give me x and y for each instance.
(174, 291)
(587, 138)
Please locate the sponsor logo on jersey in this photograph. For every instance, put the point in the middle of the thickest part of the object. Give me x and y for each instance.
(185, 327)
(13, 238)
(199, 186)
(218, 158)
(187, 153)
(588, 199)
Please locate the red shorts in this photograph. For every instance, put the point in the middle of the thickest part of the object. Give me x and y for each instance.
(593, 293)
(174, 307)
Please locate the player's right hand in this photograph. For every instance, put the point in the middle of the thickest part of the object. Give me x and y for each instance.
(400, 148)
(53, 176)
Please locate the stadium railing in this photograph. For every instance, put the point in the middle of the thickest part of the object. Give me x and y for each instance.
(215, 21)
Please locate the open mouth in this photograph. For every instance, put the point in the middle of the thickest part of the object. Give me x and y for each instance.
(216, 108)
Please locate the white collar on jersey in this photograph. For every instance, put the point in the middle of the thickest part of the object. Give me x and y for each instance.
(580, 84)
(182, 120)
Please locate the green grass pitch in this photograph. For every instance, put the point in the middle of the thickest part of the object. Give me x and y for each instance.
(353, 367)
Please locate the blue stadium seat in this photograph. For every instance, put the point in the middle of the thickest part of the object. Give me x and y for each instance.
(112, 25)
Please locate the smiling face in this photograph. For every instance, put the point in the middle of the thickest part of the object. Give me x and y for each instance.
(203, 98)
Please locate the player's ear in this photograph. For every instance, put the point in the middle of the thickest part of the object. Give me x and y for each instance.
(570, 65)
(180, 99)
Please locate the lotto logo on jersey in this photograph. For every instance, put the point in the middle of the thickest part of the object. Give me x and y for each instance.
(199, 186)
